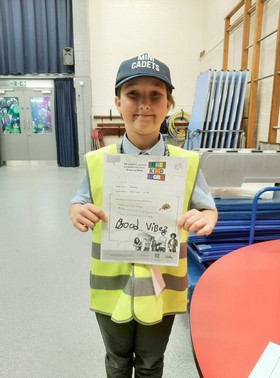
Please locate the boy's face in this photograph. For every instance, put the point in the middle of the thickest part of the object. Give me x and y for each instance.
(143, 105)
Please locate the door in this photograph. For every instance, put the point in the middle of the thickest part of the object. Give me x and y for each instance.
(27, 120)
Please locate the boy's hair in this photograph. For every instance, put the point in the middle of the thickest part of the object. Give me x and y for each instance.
(143, 65)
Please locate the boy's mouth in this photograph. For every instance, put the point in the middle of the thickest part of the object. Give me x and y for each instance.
(144, 115)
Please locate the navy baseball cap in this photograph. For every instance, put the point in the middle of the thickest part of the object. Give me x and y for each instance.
(143, 65)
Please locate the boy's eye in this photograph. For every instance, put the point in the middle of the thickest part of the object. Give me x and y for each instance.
(132, 94)
(155, 94)
(136, 94)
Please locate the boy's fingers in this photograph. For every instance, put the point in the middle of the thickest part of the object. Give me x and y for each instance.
(101, 215)
(98, 213)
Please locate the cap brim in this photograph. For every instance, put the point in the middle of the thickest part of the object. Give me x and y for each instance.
(170, 86)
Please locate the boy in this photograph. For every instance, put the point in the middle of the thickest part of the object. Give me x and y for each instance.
(135, 323)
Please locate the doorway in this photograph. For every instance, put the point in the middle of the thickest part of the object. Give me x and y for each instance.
(27, 121)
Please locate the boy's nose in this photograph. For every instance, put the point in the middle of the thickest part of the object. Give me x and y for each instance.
(144, 102)
(144, 107)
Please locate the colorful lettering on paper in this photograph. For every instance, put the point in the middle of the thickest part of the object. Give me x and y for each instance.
(156, 170)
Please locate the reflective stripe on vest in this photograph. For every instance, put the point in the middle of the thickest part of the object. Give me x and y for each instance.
(123, 290)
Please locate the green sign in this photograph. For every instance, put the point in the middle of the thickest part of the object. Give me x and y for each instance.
(17, 83)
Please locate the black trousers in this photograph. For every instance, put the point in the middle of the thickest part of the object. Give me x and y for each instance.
(135, 345)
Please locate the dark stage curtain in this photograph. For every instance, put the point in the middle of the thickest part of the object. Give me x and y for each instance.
(33, 34)
(66, 124)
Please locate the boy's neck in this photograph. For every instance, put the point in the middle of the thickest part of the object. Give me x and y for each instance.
(143, 142)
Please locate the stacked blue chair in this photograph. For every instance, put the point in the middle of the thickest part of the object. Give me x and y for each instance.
(217, 110)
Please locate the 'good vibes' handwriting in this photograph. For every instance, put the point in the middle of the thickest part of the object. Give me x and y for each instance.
(152, 227)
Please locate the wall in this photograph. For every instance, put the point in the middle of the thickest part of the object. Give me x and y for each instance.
(82, 80)
(214, 12)
(109, 31)
(121, 29)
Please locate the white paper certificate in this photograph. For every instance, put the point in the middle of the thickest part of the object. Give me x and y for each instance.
(143, 199)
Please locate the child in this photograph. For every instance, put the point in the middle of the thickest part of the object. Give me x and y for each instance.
(172, 243)
(162, 242)
(137, 244)
(135, 323)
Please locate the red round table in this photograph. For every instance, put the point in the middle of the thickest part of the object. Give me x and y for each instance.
(235, 310)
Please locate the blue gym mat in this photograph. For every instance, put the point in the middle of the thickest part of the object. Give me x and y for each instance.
(233, 228)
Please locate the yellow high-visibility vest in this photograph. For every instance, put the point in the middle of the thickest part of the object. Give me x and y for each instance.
(123, 290)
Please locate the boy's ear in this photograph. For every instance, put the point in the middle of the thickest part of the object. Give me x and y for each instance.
(117, 102)
(168, 106)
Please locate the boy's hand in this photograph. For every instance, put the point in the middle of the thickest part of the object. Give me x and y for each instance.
(198, 222)
(85, 217)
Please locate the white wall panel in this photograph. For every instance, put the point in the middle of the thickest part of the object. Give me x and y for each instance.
(168, 30)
